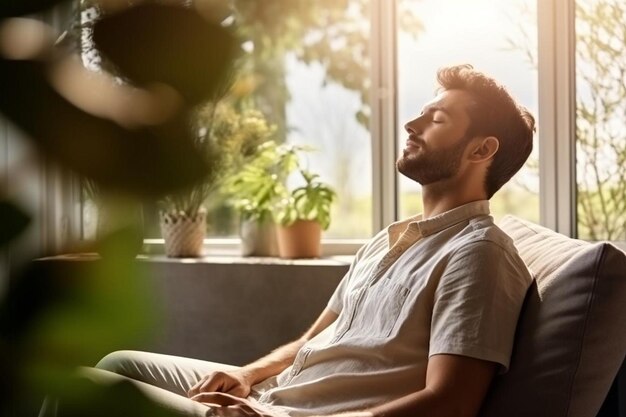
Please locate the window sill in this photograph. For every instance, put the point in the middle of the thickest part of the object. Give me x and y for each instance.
(252, 260)
(232, 247)
(338, 260)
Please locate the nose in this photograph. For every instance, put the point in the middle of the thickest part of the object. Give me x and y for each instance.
(414, 126)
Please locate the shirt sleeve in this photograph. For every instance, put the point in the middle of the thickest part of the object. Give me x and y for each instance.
(477, 303)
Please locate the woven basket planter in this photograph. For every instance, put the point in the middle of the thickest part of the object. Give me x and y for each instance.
(183, 234)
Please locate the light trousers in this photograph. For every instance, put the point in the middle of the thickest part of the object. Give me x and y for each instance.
(164, 379)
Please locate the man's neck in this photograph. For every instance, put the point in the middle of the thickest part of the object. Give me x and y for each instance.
(439, 198)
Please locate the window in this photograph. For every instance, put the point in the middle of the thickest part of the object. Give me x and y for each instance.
(344, 77)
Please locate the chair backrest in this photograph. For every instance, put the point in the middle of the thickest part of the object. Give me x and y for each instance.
(571, 337)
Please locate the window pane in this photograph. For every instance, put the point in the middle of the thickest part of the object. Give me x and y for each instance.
(343, 155)
(600, 122)
(497, 37)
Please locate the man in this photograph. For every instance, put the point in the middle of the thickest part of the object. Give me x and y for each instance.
(426, 315)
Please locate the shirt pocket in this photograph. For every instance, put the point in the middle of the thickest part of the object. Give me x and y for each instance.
(379, 312)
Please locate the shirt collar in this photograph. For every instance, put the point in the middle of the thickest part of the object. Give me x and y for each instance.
(422, 228)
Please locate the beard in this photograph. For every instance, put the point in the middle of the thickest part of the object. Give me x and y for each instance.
(427, 167)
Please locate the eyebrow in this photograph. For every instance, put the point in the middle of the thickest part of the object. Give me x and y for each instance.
(433, 109)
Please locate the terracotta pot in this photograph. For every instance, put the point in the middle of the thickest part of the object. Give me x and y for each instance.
(258, 238)
(183, 234)
(300, 240)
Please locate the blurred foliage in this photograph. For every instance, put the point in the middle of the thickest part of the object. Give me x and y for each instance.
(15, 8)
(140, 162)
(129, 134)
(188, 55)
(14, 221)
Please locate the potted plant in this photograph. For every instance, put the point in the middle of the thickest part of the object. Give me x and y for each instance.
(303, 216)
(183, 215)
(254, 191)
(259, 191)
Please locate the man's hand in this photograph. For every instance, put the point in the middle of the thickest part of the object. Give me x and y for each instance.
(236, 383)
(226, 405)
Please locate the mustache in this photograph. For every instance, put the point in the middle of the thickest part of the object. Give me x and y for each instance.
(416, 139)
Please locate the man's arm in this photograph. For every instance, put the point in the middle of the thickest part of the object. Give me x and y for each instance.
(455, 387)
(239, 382)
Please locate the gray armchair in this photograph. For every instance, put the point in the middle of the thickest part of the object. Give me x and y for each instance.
(571, 338)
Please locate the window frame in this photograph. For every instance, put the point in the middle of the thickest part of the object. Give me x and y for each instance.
(557, 115)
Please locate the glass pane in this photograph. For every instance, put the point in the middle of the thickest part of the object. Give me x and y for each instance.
(600, 122)
(496, 37)
(328, 84)
(343, 155)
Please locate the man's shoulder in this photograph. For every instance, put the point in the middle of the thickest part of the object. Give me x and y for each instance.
(483, 241)
(483, 230)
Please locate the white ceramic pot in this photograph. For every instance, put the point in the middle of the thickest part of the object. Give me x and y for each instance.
(258, 239)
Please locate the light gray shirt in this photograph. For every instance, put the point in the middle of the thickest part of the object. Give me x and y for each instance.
(450, 284)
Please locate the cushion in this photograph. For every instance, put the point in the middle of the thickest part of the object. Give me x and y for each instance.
(571, 337)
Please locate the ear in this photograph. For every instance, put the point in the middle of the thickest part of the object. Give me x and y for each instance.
(483, 149)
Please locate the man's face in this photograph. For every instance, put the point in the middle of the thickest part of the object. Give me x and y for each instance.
(436, 141)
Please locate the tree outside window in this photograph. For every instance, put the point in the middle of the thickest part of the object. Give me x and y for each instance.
(600, 119)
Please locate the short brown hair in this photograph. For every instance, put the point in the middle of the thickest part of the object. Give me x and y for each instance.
(493, 113)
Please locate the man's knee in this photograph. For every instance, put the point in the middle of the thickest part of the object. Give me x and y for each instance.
(117, 362)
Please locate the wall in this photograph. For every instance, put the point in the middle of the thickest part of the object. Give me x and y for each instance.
(222, 309)
(236, 312)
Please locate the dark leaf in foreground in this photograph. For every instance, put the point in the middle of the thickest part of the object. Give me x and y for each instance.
(61, 313)
(153, 43)
(12, 222)
(15, 8)
(143, 162)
